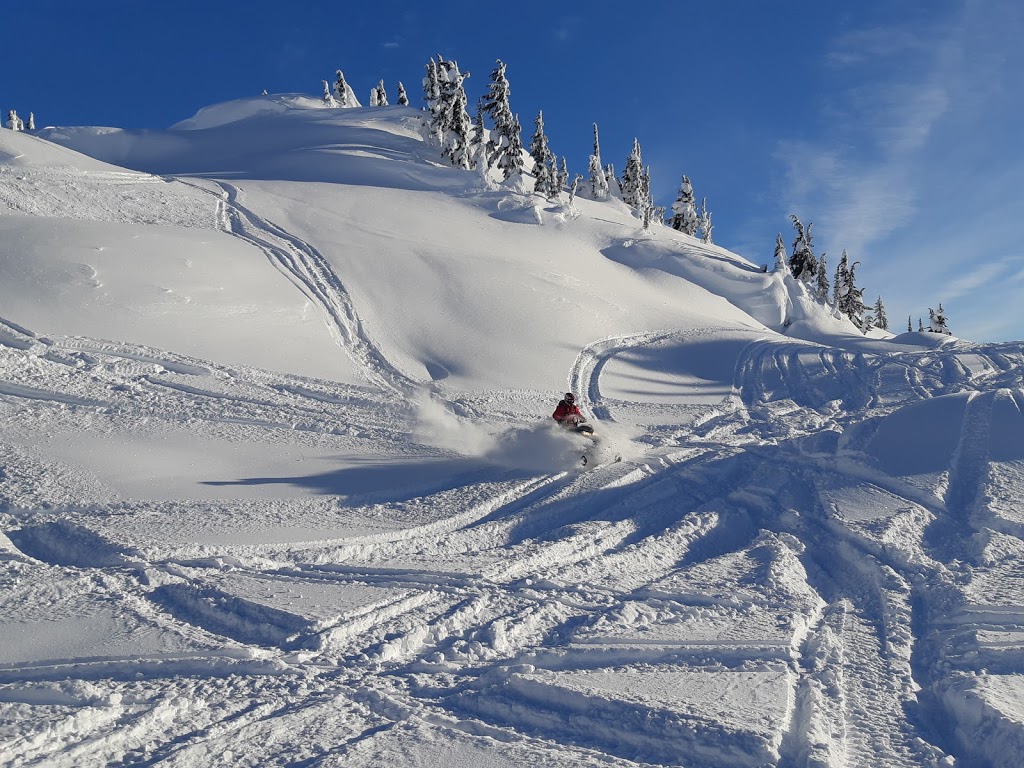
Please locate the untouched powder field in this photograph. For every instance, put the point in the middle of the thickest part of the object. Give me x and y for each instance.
(279, 486)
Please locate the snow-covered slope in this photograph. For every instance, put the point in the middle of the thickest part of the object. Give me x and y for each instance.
(278, 484)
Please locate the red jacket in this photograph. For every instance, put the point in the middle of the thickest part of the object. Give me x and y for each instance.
(565, 411)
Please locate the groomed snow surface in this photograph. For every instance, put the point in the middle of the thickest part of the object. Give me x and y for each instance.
(278, 484)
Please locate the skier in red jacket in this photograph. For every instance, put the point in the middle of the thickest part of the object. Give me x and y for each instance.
(569, 415)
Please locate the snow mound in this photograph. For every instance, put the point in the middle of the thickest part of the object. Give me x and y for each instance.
(242, 109)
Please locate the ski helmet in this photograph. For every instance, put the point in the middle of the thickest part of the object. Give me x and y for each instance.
(570, 397)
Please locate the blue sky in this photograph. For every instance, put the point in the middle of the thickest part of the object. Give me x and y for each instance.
(897, 128)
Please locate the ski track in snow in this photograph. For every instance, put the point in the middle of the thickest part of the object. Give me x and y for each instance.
(307, 268)
(774, 539)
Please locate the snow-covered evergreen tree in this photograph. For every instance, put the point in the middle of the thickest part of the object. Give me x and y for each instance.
(374, 97)
(543, 159)
(431, 87)
(329, 99)
(563, 174)
(382, 95)
(781, 257)
(511, 159)
(840, 283)
(684, 215)
(13, 121)
(614, 187)
(937, 322)
(848, 298)
(479, 133)
(881, 321)
(403, 97)
(802, 264)
(646, 206)
(910, 325)
(31, 121)
(821, 280)
(496, 105)
(573, 189)
(598, 181)
(342, 90)
(920, 326)
(457, 139)
(705, 221)
(632, 177)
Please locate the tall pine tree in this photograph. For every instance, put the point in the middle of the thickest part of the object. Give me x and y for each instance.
(543, 159)
(632, 177)
(329, 99)
(802, 264)
(781, 257)
(881, 321)
(506, 126)
(705, 221)
(343, 92)
(821, 281)
(459, 136)
(598, 181)
(684, 215)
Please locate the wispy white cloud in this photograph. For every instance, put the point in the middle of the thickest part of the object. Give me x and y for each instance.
(979, 276)
(869, 45)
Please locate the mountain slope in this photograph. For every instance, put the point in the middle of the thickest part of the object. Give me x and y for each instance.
(317, 514)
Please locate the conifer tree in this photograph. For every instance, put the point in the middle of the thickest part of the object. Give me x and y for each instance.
(781, 257)
(647, 209)
(511, 160)
(802, 264)
(496, 105)
(848, 298)
(881, 321)
(374, 97)
(329, 99)
(13, 121)
(910, 325)
(705, 221)
(553, 177)
(684, 215)
(614, 188)
(840, 283)
(341, 90)
(821, 284)
(403, 97)
(598, 181)
(543, 159)
(563, 174)
(920, 326)
(382, 95)
(31, 121)
(431, 87)
(458, 136)
(479, 132)
(937, 321)
(573, 189)
(632, 177)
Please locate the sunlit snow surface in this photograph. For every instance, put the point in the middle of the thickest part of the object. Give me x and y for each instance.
(279, 485)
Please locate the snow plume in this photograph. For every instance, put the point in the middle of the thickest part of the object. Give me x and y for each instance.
(542, 446)
(539, 446)
(440, 428)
